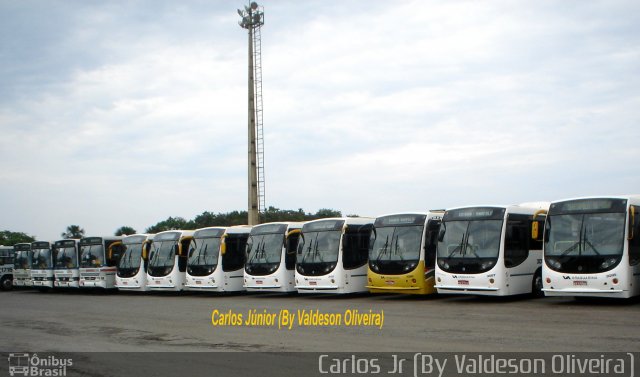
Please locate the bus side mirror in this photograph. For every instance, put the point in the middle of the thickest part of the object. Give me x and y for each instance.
(535, 232)
(441, 233)
(223, 245)
(632, 221)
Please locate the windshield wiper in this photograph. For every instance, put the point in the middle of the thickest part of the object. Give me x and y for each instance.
(308, 252)
(587, 242)
(317, 254)
(570, 248)
(396, 250)
(384, 249)
(457, 249)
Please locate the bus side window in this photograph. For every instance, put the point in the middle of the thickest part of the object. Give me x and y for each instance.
(290, 255)
(634, 243)
(116, 252)
(235, 257)
(431, 243)
(516, 240)
(355, 247)
(182, 258)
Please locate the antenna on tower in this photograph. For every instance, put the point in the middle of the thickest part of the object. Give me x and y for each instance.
(252, 19)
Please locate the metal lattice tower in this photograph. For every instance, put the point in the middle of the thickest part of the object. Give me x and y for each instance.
(257, 69)
(252, 20)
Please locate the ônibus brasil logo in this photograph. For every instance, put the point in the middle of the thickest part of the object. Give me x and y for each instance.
(24, 364)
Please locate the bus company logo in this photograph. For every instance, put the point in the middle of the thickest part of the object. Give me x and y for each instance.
(463, 276)
(24, 364)
(581, 277)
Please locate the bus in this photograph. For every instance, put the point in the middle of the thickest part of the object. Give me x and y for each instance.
(131, 272)
(168, 260)
(402, 254)
(67, 267)
(217, 258)
(333, 254)
(489, 250)
(22, 265)
(592, 247)
(99, 257)
(6, 267)
(42, 261)
(271, 257)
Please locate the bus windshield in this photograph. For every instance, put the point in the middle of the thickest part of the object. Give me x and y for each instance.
(318, 252)
(469, 246)
(264, 253)
(131, 256)
(22, 260)
(396, 248)
(41, 259)
(584, 243)
(66, 257)
(92, 256)
(203, 256)
(162, 257)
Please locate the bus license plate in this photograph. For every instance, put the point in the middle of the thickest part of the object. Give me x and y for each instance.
(258, 281)
(579, 282)
(198, 282)
(313, 283)
(463, 282)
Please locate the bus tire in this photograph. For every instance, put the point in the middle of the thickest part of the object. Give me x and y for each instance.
(6, 283)
(536, 284)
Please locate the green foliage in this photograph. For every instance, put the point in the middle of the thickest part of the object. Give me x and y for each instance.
(206, 218)
(170, 224)
(125, 231)
(9, 238)
(73, 231)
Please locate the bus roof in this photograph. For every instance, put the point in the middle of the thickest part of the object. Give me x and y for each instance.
(635, 198)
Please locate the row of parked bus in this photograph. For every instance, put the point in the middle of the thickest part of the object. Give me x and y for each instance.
(591, 248)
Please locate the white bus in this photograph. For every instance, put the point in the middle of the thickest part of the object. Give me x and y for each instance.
(333, 254)
(67, 264)
(42, 261)
(131, 273)
(271, 257)
(168, 260)
(489, 250)
(7, 255)
(22, 265)
(98, 260)
(402, 254)
(216, 259)
(592, 247)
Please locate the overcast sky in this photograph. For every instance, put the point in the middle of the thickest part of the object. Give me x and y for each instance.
(127, 112)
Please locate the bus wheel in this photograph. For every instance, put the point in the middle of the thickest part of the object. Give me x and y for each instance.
(6, 283)
(536, 285)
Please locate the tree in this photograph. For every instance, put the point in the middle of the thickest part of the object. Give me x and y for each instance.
(170, 224)
(73, 231)
(325, 212)
(125, 231)
(9, 238)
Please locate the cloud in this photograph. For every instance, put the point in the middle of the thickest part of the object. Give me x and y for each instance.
(126, 113)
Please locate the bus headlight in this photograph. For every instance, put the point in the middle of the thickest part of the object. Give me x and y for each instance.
(608, 263)
(329, 267)
(443, 264)
(487, 265)
(554, 264)
(374, 267)
(410, 266)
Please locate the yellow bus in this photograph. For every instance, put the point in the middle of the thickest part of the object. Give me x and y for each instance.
(402, 253)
